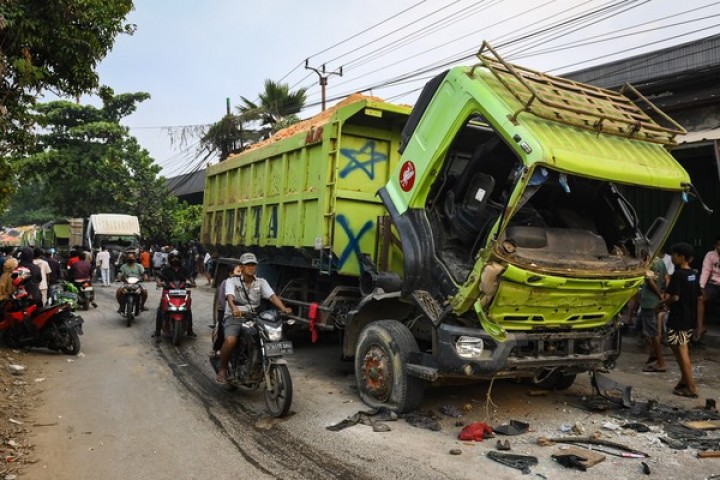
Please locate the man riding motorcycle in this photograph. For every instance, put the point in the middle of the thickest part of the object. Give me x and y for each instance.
(172, 272)
(131, 268)
(244, 294)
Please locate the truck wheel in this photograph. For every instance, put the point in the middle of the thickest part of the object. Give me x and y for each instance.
(556, 381)
(380, 358)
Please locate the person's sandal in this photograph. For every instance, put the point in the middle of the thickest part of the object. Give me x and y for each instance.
(653, 369)
(684, 392)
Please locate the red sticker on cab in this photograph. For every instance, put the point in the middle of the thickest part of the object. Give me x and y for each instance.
(407, 176)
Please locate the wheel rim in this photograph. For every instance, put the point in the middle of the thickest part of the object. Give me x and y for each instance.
(377, 373)
(276, 392)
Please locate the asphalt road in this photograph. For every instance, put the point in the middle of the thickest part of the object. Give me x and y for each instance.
(126, 408)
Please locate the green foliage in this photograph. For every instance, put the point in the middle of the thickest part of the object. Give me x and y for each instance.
(186, 223)
(49, 45)
(228, 136)
(276, 110)
(277, 103)
(88, 163)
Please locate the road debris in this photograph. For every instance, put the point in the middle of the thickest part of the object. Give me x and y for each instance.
(372, 418)
(16, 369)
(477, 431)
(503, 446)
(515, 427)
(521, 462)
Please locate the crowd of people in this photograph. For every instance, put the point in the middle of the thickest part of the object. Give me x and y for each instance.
(673, 307)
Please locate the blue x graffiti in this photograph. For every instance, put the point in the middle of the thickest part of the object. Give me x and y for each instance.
(353, 245)
(367, 166)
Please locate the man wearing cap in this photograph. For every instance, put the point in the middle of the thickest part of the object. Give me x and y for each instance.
(243, 294)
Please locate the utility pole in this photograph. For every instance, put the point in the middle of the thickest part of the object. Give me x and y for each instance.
(323, 75)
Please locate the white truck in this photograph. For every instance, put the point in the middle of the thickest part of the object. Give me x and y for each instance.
(107, 229)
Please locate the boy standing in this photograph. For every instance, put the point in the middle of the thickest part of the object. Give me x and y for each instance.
(684, 298)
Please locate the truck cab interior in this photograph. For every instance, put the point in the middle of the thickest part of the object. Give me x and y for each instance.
(559, 221)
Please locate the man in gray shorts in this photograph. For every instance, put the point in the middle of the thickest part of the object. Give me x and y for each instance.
(650, 295)
(243, 293)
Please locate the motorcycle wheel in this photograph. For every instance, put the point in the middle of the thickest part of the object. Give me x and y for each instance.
(70, 341)
(129, 309)
(178, 331)
(11, 340)
(278, 395)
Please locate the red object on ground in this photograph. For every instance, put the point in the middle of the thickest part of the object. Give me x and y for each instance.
(477, 431)
(312, 314)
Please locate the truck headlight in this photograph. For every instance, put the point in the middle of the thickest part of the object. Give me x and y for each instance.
(469, 347)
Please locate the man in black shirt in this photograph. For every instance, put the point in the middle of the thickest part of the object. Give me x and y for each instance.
(684, 296)
(172, 272)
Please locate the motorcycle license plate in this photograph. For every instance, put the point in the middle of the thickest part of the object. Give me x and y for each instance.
(88, 289)
(274, 349)
(176, 293)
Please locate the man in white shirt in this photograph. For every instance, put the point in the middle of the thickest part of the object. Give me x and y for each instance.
(102, 261)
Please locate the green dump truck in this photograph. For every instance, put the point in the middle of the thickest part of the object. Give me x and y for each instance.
(488, 232)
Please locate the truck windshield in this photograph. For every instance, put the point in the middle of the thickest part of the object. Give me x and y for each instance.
(564, 221)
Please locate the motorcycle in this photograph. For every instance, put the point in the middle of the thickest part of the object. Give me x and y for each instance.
(63, 292)
(175, 308)
(132, 291)
(257, 360)
(54, 327)
(86, 293)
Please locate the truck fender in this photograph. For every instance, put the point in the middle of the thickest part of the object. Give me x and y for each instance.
(373, 307)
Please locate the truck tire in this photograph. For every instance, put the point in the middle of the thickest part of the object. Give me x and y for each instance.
(380, 358)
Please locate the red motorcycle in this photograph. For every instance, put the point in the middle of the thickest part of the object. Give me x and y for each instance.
(175, 309)
(24, 324)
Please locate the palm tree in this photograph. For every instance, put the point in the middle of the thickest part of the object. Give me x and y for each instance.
(277, 108)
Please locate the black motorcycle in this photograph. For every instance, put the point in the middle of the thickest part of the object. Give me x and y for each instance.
(132, 290)
(86, 293)
(257, 359)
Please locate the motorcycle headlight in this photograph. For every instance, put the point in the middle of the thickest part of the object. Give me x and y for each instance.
(172, 308)
(274, 334)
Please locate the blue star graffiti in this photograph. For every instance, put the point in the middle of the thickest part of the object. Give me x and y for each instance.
(363, 159)
(353, 245)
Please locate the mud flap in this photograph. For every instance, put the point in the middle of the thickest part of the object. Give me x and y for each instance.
(494, 329)
(608, 388)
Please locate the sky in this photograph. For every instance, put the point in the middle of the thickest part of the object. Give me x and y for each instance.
(191, 56)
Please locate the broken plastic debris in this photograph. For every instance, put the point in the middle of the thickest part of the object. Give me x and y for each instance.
(455, 451)
(40, 380)
(81, 355)
(16, 422)
(16, 369)
(515, 427)
(611, 426)
(565, 428)
(70, 360)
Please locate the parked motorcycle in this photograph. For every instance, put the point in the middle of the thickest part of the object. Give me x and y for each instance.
(86, 293)
(23, 324)
(175, 308)
(63, 292)
(257, 359)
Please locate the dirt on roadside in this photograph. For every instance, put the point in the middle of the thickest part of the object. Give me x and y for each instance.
(21, 390)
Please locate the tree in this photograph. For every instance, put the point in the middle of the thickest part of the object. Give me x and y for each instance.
(228, 136)
(86, 162)
(49, 45)
(277, 108)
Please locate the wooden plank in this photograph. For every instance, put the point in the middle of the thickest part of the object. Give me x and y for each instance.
(703, 424)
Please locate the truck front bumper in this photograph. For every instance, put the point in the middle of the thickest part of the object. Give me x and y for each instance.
(524, 354)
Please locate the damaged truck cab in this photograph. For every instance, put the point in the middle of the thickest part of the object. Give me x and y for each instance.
(503, 242)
